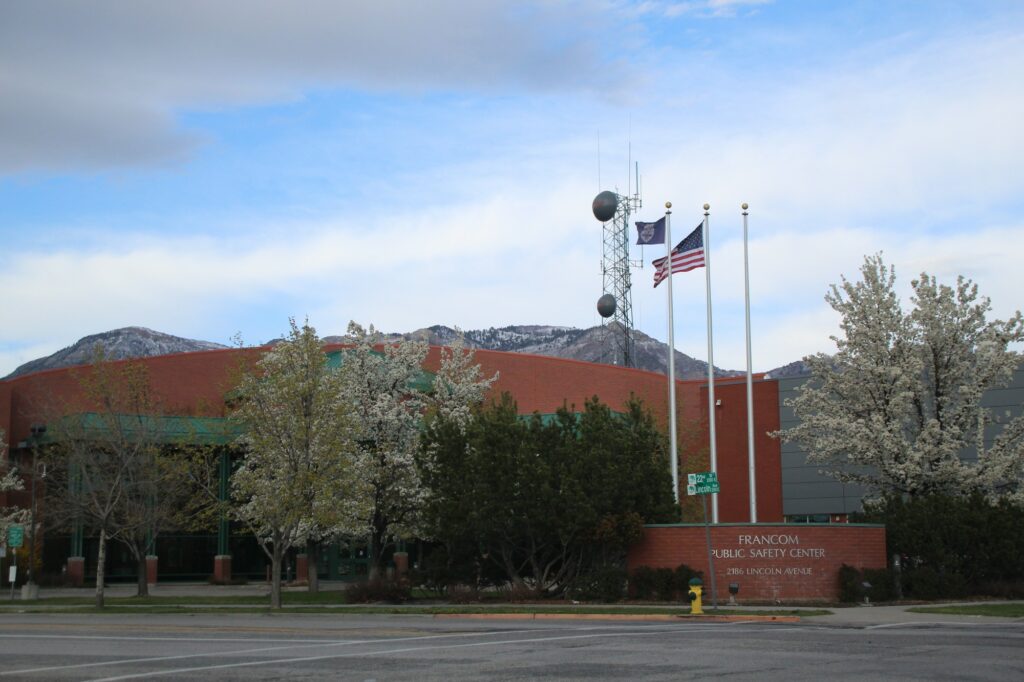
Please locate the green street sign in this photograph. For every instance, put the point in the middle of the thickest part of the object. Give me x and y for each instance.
(707, 489)
(15, 536)
(702, 483)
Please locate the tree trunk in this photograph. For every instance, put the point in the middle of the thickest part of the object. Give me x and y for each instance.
(275, 578)
(313, 568)
(101, 564)
(142, 575)
(376, 550)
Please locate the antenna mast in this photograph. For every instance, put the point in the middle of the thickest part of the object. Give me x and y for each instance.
(614, 211)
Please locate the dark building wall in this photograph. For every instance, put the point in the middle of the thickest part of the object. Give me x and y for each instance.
(806, 491)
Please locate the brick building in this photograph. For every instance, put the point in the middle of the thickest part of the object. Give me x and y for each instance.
(193, 388)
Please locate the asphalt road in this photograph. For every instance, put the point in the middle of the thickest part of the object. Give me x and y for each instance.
(353, 647)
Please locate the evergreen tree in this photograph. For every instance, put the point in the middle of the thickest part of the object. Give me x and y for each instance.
(544, 501)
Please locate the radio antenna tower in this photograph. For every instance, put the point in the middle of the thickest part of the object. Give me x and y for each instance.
(616, 303)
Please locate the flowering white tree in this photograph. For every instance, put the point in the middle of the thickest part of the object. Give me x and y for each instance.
(899, 406)
(381, 388)
(10, 481)
(460, 385)
(297, 479)
(386, 389)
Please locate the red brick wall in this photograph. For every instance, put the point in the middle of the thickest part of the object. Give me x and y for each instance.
(784, 561)
(733, 464)
(196, 383)
(5, 408)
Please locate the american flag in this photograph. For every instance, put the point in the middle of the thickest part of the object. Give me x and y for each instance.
(688, 255)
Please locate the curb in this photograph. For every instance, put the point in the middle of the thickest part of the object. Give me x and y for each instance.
(662, 617)
(745, 619)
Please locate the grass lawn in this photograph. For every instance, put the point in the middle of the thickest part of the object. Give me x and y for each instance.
(1001, 610)
(334, 602)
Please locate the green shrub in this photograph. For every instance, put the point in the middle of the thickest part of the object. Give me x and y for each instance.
(883, 584)
(463, 594)
(850, 580)
(683, 575)
(665, 584)
(881, 581)
(605, 584)
(642, 583)
(521, 593)
(380, 590)
(924, 582)
(953, 546)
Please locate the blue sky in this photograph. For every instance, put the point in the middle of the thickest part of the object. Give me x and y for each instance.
(206, 169)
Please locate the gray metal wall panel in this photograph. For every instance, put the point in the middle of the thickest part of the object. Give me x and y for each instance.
(803, 474)
(825, 487)
(805, 491)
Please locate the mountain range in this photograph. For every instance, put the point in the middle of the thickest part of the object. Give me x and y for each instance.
(590, 345)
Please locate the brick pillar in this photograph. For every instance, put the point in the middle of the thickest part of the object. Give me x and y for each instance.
(222, 569)
(301, 569)
(401, 560)
(151, 564)
(76, 571)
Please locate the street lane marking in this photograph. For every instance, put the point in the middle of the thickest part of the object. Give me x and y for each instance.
(945, 623)
(299, 645)
(178, 671)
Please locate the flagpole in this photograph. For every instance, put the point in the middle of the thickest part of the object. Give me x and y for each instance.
(752, 471)
(711, 361)
(671, 358)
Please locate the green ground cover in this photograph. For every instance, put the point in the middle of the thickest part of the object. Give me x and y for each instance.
(333, 601)
(999, 610)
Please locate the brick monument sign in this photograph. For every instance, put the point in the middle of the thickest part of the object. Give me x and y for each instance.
(795, 562)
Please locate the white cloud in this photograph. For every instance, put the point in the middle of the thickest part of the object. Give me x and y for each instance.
(471, 264)
(97, 85)
(929, 134)
(710, 8)
(912, 151)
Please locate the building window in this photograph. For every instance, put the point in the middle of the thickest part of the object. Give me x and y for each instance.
(809, 518)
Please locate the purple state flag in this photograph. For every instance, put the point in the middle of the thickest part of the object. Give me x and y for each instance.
(650, 233)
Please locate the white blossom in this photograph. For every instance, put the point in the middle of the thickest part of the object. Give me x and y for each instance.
(384, 385)
(10, 481)
(901, 401)
(460, 385)
(298, 479)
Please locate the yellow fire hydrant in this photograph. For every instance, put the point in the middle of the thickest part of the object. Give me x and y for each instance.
(696, 588)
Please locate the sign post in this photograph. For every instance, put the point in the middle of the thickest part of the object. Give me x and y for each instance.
(12, 573)
(706, 483)
(15, 539)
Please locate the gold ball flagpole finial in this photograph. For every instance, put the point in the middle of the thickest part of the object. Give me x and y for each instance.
(744, 206)
(668, 204)
(707, 206)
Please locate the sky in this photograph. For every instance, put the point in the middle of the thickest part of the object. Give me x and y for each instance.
(210, 169)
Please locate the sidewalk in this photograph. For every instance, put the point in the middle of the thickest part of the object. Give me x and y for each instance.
(894, 616)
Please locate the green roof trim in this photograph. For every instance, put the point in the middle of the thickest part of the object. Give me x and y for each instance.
(178, 430)
(161, 429)
(422, 382)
